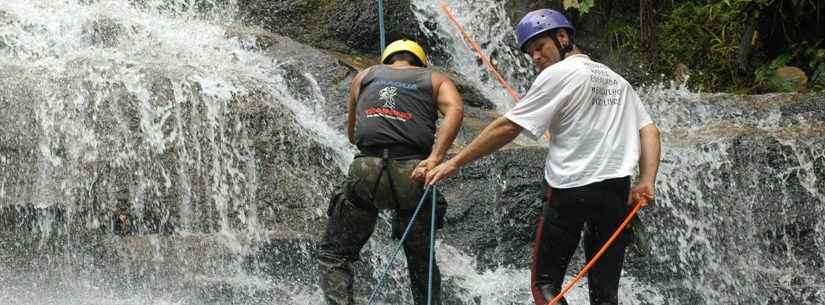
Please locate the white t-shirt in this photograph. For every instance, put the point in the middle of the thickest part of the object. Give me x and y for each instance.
(594, 116)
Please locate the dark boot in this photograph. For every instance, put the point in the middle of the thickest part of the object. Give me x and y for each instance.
(336, 280)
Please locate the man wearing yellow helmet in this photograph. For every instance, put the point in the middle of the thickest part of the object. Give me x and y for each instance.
(392, 114)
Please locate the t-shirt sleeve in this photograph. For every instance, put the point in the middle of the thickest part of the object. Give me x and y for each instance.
(641, 113)
(537, 109)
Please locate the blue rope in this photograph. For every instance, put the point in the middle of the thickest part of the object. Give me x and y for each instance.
(401, 243)
(381, 24)
(432, 253)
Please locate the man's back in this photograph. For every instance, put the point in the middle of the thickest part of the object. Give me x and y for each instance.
(594, 116)
(396, 108)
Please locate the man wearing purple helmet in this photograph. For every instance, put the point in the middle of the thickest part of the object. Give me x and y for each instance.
(601, 131)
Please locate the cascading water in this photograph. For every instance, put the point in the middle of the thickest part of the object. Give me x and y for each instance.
(147, 152)
(477, 18)
(152, 152)
(740, 209)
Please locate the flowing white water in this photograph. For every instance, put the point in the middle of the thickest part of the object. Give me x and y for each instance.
(477, 18)
(144, 109)
(141, 110)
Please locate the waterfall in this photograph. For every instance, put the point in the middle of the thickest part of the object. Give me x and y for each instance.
(157, 152)
(740, 209)
(478, 18)
(148, 150)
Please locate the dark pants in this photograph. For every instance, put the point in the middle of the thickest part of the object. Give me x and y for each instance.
(598, 208)
(352, 217)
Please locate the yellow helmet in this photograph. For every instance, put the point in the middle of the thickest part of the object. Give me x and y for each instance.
(404, 45)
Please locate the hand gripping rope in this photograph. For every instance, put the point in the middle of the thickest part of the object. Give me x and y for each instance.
(638, 205)
(401, 243)
(417, 209)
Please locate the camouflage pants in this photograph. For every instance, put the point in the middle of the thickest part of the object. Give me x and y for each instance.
(352, 216)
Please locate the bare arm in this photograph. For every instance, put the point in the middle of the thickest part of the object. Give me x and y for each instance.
(494, 136)
(648, 162)
(355, 89)
(452, 108)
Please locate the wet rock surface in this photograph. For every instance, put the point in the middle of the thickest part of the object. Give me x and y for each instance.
(335, 24)
(740, 197)
(112, 180)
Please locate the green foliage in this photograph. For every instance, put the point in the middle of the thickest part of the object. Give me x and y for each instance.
(818, 78)
(585, 5)
(766, 78)
(815, 57)
(705, 37)
(807, 56)
(622, 35)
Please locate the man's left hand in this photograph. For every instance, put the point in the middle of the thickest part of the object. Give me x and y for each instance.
(420, 171)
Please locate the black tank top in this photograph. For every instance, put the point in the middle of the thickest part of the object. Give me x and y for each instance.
(396, 109)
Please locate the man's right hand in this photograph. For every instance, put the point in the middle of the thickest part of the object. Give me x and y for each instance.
(644, 188)
(440, 172)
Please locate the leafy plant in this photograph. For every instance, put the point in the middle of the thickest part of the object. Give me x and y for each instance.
(810, 57)
(766, 78)
(583, 6)
(704, 37)
(622, 37)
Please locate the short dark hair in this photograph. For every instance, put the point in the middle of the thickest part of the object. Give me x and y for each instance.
(405, 56)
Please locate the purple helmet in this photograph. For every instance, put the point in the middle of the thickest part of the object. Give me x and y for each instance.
(540, 21)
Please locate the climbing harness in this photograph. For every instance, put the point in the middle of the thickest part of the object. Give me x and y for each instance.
(639, 204)
(385, 168)
(369, 204)
(401, 243)
(477, 49)
(486, 60)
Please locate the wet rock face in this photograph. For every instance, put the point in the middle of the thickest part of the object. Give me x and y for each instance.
(740, 187)
(158, 171)
(334, 24)
(311, 73)
(494, 206)
(733, 203)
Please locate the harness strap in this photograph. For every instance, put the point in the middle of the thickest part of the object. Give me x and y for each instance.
(385, 168)
(385, 162)
(378, 182)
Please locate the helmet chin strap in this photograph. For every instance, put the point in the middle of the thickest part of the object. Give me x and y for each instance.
(563, 50)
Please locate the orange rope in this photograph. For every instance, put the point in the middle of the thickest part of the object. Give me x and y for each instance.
(639, 204)
(478, 51)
